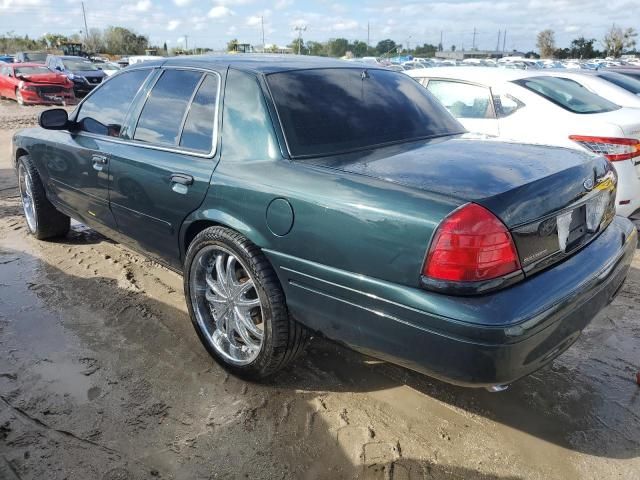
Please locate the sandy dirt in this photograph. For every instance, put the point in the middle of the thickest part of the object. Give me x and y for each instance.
(103, 377)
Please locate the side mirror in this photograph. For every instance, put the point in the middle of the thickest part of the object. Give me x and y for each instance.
(54, 119)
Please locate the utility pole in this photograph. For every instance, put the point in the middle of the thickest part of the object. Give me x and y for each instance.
(86, 30)
(441, 44)
(300, 29)
(473, 47)
(504, 40)
(186, 43)
(262, 24)
(368, 35)
(498, 44)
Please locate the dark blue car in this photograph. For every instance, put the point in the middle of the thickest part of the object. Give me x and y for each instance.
(84, 74)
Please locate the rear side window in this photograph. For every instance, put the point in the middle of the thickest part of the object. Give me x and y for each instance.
(463, 100)
(198, 126)
(567, 94)
(630, 84)
(163, 113)
(333, 110)
(247, 131)
(104, 111)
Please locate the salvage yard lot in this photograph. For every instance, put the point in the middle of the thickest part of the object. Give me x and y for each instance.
(102, 376)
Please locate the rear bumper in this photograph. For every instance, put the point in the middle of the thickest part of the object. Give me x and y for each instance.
(471, 341)
(628, 188)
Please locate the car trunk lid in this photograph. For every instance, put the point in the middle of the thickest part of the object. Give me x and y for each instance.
(542, 194)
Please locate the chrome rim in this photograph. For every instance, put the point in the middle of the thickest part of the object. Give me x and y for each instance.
(26, 195)
(227, 305)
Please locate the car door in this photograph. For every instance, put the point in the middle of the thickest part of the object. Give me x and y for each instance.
(471, 104)
(77, 162)
(162, 173)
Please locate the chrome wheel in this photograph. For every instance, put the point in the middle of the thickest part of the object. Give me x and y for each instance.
(26, 195)
(227, 305)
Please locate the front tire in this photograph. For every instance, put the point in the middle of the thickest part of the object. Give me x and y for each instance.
(43, 220)
(237, 305)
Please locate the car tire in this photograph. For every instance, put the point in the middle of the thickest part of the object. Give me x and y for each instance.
(282, 338)
(19, 98)
(43, 219)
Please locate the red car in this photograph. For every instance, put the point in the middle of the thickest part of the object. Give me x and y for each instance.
(30, 83)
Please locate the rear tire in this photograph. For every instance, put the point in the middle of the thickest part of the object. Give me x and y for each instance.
(237, 305)
(43, 220)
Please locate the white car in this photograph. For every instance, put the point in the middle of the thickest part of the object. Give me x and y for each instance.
(531, 106)
(620, 89)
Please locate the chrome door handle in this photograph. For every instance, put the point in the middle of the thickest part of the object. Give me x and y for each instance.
(180, 182)
(99, 161)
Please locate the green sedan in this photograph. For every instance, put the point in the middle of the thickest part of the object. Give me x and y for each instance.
(301, 195)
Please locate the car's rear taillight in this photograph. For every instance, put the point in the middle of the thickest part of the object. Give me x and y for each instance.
(614, 149)
(471, 245)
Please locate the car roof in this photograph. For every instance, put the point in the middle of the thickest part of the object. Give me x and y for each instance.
(263, 63)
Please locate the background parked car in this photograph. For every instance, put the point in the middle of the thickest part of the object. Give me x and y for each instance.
(534, 107)
(84, 74)
(613, 86)
(630, 72)
(30, 57)
(6, 58)
(32, 83)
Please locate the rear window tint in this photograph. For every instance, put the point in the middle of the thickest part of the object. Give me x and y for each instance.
(328, 111)
(198, 127)
(162, 115)
(567, 94)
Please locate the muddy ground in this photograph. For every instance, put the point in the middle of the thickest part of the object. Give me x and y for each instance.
(103, 377)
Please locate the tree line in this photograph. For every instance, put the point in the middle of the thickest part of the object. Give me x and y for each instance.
(111, 40)
(615, 43)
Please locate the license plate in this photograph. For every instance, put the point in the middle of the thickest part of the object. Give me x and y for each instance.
(53, 98)
(571, 228)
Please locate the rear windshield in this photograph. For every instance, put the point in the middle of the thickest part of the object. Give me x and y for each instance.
(35, 57)
(630, 84)
(31, 70)
(328, 111)
(568, 94)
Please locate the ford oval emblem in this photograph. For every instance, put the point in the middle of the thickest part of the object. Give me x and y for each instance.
(588, 184)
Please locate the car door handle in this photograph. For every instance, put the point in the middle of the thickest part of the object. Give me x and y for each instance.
(180, 183)
(99, 161)
(182, 179)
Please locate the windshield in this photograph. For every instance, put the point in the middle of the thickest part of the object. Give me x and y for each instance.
(630, 84)
(328, 111)
(31, 70)
(79, 65)
(35, 57)
(568, 94)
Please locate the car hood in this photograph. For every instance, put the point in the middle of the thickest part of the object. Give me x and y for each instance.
(48, 78)
(519, 183)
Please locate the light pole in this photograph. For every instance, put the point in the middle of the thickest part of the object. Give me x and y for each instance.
(300, 29)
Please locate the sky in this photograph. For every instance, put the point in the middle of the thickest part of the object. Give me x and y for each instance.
(212, 23)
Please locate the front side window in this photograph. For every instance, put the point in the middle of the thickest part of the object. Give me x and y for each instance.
(197, 133)
(247, 131)
(463, 100)
(567, 94)
(104, 111)
(332, 110)
(161, 119)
